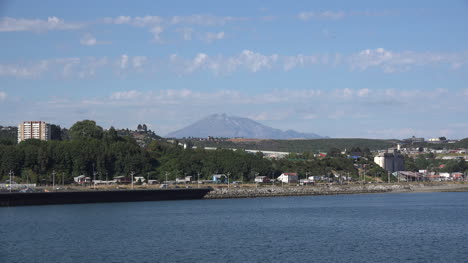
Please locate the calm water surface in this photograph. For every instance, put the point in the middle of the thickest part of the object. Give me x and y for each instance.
(419, 227)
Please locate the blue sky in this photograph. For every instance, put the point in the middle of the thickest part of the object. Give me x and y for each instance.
(372, 69)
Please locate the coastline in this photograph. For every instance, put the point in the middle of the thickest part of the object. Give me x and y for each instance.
(277, 191)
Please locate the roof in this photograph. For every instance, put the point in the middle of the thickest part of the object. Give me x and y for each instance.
(290, 174)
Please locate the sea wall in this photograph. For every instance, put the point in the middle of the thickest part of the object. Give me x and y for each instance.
(326, 190)
(78, 197)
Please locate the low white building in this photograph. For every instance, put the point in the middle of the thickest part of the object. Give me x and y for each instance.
(288, 178)
(262, 179)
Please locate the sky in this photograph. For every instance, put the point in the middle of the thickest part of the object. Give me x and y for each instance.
(344, 69)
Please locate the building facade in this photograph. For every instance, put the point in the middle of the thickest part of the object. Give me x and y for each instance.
(288, 178)
(33, 130)
(391, 162)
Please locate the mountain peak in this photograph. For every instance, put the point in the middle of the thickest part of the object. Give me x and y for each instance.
(222, 125)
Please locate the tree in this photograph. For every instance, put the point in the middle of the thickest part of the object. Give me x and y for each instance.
(55, 132)
(334, 152)
(86, 129)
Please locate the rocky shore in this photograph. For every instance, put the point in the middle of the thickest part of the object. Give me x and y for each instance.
(273, 191)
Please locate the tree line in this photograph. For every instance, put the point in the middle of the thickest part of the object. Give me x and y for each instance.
(88, 149)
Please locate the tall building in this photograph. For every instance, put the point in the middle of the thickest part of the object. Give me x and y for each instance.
(33, 130)
(391, 162)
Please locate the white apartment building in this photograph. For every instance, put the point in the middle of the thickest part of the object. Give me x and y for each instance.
(33, 130)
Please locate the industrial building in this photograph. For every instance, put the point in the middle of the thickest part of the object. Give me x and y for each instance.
(33, 130)
(391, 162)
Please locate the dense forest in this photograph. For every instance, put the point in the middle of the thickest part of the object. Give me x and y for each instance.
(88, 149)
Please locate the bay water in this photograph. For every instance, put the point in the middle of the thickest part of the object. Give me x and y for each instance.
(410, 227)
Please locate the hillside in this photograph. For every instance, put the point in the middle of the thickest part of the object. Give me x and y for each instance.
(314, 145)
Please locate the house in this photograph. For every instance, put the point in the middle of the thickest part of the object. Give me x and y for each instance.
(186, 179)
(306, 182)
(139, 178)
(444, 176)
(433, 177)
(82, 179)
(219, 178)
(457, 176)
(288, 178)
(121, 180)
(262, 179)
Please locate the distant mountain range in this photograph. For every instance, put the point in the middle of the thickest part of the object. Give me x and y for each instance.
(221, 125)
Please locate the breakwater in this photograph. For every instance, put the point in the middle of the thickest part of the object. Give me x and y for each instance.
(330, 190)
(78, 197)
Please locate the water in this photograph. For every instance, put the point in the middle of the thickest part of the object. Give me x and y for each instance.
(422, 227)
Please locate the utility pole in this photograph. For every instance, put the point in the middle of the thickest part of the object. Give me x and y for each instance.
(228, 179)
(11, 174)
(53, 179)
(63, 179)
(132, 173)
(94, 178)
(166, 178)
(198, 180)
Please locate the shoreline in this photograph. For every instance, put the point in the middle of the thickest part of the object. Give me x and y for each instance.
(277, 191)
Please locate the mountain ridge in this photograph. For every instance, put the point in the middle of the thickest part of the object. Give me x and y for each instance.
(222, 125)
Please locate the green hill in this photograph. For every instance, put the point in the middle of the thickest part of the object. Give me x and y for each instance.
(299, 146)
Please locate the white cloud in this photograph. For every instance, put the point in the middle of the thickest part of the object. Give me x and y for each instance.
(151, 21)
(156, 31)
(3, 95)
(186, 32)
(9, 24)
(210, 36)
(143, 21)
(391, 62)
(310, 116)
(306, 16)
(205, 20)
(139, 61)
(347, 92)
(247, 60)
(125, 95)
(30, 70)
(363, 92)
(123, 61)
(256, 61)
(122, 20)
(88, 40)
